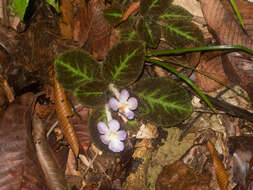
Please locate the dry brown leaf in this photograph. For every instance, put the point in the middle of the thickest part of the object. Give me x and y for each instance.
(241, 152)
(66, 20)
(19, 167)
(133, 7)
(53, 172)
(215, 69)
(177, 176)
(91, 29)
(81, 128)
(64, 112)
(237, 66)
(219, 169)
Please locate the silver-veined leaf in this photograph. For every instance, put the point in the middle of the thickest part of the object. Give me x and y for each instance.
(74, 68)
(163, 101)
(124, 63)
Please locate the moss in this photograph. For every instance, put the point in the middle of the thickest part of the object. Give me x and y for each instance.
(169, 152)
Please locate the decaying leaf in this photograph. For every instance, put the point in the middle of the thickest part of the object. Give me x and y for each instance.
(171, 151)
(214, 68)
(237, 66)
(19, 167)
(53, 172)
(241, 151)
(91, 29)
(177, 176)
(219, 169)
(66, 20)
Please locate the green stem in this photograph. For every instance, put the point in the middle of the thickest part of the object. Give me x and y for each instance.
(176, 62)
(237, 13)
(204, 48)
(183, 77)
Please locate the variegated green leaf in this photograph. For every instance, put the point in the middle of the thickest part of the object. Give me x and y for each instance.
(127, 30)
(124, 63)
(150, 32)
(154, 8)
(163, 101)
(175, 12)
(113, 14)
(91, 94)
(74, 68)
(182, 33)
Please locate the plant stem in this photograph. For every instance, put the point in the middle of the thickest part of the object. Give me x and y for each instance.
(114, 90)
(108, 113)
(205, 48)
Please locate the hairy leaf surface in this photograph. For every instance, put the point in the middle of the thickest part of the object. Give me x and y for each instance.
(124, 63)
(74, 68)
(91, 94)
(150, 32)
(175, 12)
(163, 101)
(154, 8)
(181, 33)
(113, 14)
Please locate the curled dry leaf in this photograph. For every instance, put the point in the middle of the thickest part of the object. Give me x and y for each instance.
(64, 112)
(51, 169)
(219, 169)
(237, 66)
(19, 167)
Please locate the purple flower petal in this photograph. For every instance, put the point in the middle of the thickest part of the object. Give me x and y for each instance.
(129, 115)
(102, 128)
(132, 103)
(114, 104)
(124, 95)
(113, 125)
(116, 145)
(121, 135)
(105, 139)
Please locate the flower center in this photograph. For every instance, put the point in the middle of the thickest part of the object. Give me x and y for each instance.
(112, 135)
(124, 108)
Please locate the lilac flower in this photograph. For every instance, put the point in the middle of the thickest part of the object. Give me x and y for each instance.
(111, 135)
(124, 104)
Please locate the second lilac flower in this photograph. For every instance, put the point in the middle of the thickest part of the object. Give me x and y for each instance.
(124, 104)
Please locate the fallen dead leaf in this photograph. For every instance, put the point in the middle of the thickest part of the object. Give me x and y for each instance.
(19, 167)
(237, 66)
(90, 28)
(177, 176)
(214, 68)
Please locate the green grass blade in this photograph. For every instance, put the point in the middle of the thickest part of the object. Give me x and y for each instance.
(184, 78)
(205, 48)
(237, 13)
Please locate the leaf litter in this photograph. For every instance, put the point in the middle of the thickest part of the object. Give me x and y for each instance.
(180, 153)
